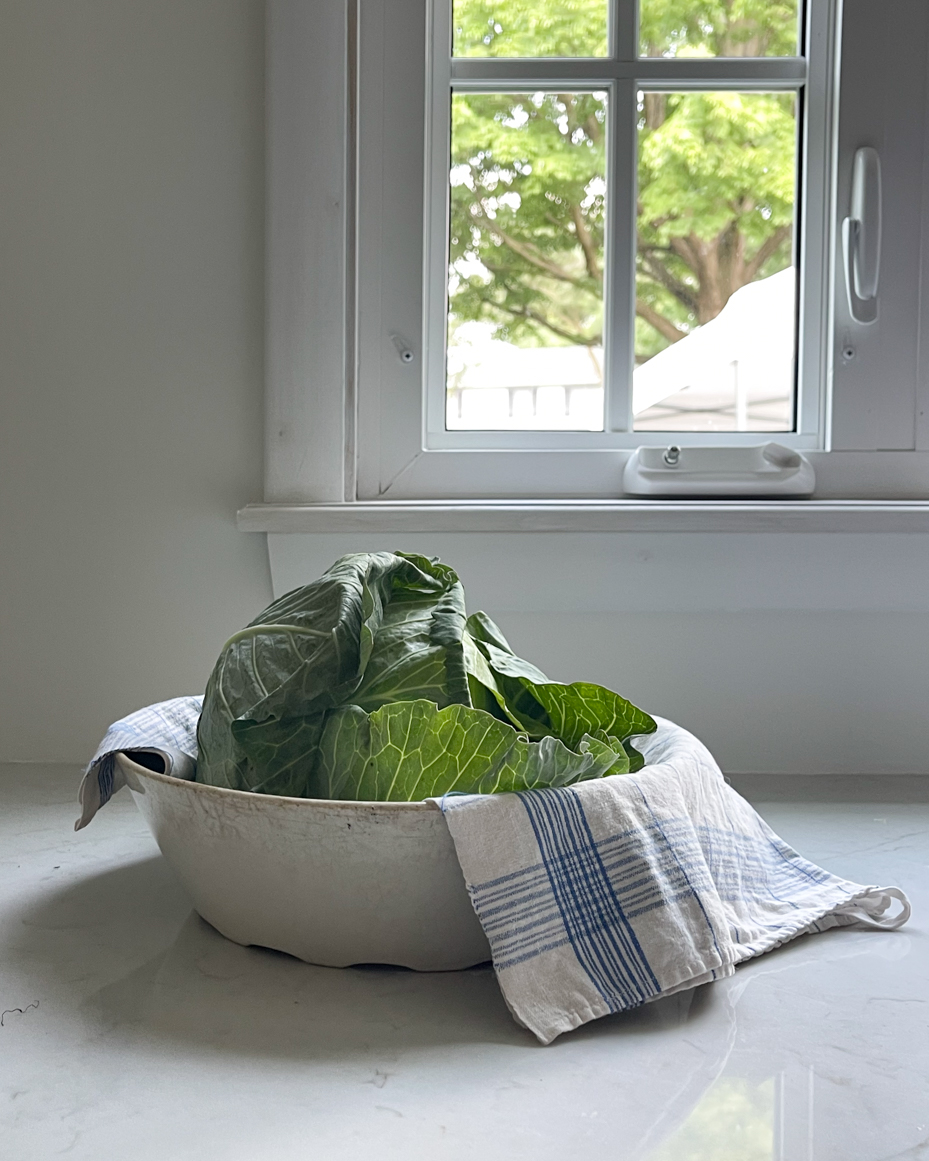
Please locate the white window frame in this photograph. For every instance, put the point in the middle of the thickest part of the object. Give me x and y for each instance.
(621, 75)
(346, 417)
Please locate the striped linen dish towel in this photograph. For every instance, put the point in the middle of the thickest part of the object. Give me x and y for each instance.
(610, 893)
(167, 730)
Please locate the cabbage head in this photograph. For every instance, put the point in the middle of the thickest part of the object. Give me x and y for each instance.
(373, 684)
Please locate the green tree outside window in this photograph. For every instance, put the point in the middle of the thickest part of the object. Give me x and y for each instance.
(715, 184)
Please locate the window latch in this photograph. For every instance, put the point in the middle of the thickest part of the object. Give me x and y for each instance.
(767, 469)
(404, 350)
(861, 237)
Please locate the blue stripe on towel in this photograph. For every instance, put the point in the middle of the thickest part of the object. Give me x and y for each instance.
(594, 921)
(105, 776)
(523, 918)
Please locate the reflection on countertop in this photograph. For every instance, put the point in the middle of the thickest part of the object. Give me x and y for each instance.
(154, 1037)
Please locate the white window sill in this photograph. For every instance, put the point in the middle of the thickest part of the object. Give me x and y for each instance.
(590, 516)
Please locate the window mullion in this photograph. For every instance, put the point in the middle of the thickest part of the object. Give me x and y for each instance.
(816, 208)
(619, 249)
(436, 200)
(619, 289)
(623, 29)
(652, 72)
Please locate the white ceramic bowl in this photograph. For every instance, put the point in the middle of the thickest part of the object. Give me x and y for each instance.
(333, 883)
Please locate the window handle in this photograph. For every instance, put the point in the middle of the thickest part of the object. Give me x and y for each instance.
(861, 237)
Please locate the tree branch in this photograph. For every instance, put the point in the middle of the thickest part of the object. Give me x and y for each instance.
(656, 270)
(764, 252)
(662, 325)
(587, 244)
(527, 313)
(593, 129)
(684, 248)
(528, 253)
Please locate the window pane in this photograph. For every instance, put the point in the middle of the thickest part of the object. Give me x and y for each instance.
(718, 27)
(715, 286)
(525, 274)
(512, 28)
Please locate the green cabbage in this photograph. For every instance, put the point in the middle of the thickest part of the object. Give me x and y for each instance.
(373, 684)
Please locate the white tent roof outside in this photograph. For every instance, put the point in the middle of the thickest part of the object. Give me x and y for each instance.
(747, 351)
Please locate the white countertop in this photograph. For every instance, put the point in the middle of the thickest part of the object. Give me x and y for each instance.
(132, 1031)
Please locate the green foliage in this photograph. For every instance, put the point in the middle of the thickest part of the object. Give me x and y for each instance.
(715, 201)
(528, 184)
(733, 1110)
(529, 28)
(372, 684)
(718, 27)
(716, 174)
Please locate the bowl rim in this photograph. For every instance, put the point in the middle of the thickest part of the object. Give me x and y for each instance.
(250, 796)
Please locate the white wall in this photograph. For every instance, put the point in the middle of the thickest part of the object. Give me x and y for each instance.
(131, 314)
(131, 177)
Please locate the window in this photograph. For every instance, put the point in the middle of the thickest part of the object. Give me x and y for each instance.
(578, 227)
